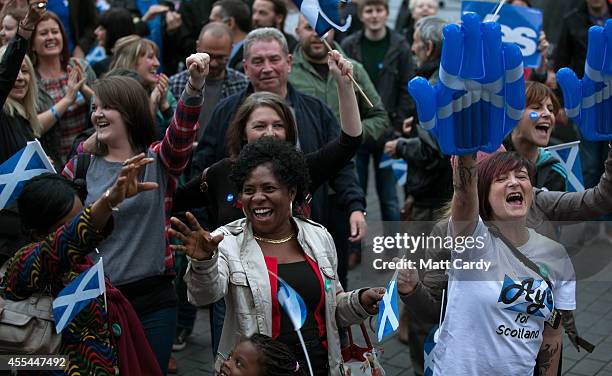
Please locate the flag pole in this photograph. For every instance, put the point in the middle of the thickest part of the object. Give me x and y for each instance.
(368, 101)
(104, 293)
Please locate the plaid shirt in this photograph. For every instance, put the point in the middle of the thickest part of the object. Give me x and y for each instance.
(174, 152)
(233, 83)
(75, 119)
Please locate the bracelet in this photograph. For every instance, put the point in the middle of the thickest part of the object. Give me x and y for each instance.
(110, 206)
(193, 88)
(55, 114)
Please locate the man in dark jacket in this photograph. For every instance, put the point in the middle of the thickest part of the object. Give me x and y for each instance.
(267, 65)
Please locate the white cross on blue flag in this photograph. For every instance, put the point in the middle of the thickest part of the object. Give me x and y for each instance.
(388, 311)
(323, 15)
(399, 166)
(292, 303)
(569, 157)
(77, 295)
(27, 163)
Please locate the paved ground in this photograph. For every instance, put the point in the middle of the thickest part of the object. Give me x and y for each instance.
(593, 316)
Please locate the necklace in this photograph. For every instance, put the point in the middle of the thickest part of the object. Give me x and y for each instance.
(275, 241)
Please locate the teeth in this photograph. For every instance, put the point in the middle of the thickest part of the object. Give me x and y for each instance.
(262, 211)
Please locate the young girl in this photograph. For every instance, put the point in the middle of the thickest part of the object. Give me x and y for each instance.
(260, 355)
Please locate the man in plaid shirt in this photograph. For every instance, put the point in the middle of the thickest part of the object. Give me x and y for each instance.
(216, 40)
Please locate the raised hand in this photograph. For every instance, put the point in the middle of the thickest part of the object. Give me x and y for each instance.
(198, 65)
(198, 243)
(588, 101)
(35, 11)
(339, 67)
(128, 182)
(481, 93)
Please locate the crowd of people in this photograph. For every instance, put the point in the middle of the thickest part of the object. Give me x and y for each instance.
(208, 149)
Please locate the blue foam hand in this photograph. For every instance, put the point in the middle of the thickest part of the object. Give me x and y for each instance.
(588, 101)
(481, 93)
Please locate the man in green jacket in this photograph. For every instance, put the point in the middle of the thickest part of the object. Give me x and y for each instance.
(309, 74)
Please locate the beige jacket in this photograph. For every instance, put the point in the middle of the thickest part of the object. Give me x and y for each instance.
(238, 273)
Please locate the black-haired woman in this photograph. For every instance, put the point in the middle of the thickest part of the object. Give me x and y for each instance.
(113, 24)
(243, 262)
(100, 340)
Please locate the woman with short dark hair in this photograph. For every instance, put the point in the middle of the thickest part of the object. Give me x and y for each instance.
(244, 260)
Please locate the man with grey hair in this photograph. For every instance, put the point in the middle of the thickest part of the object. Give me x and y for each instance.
(267, 64)
(427, 44)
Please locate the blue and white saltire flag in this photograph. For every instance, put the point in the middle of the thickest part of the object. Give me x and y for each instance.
(399, 166)
(27, 163)
(292, 303)
(570, 158)
(77, 295)
(388, 312)
(520, 25)
(428, 346)
(323, 15)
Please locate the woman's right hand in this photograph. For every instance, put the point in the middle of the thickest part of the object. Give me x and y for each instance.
(340, 68)
(198, 243)
(128, 182)
(407, 279)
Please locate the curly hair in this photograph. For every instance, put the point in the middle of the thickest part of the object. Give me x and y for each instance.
(288, 165)
(275, 358)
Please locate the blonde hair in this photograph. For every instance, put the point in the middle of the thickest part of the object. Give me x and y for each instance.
(129, 49)
(28, 106)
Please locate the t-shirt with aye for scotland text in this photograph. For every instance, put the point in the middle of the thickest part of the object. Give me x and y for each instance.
(494, 320)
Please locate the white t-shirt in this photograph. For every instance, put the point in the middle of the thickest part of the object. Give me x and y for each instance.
(492, 326)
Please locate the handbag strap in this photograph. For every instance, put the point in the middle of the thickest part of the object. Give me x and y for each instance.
(364, 332)
(519, 255)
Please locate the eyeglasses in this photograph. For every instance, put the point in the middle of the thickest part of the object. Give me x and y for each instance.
(219, 58)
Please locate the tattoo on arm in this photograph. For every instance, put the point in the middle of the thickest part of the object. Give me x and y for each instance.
(546, 356)
(464, 175)
(569, 324)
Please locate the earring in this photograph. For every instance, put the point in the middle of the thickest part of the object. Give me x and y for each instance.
(244, 212)
(291, 208)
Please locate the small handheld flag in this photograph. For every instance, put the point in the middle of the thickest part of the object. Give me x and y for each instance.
(399, 166)
(570, 159)
(323, 15)
(388, 312)
(77, 295)
(27, 163)
(293, 305)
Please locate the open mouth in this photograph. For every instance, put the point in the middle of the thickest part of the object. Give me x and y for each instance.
(542, 128)
(515, 198)
(102, 124)
(50, 45)
(262, 213)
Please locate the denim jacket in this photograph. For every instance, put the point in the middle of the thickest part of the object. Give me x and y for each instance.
(238, 273)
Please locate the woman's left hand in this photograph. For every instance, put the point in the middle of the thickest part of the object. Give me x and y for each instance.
(370, 299)
(339, 67)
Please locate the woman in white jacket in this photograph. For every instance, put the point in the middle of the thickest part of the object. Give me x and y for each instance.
(241, 263)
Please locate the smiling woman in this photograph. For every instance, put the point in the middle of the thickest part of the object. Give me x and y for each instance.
(532, 134)
(244, 264)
